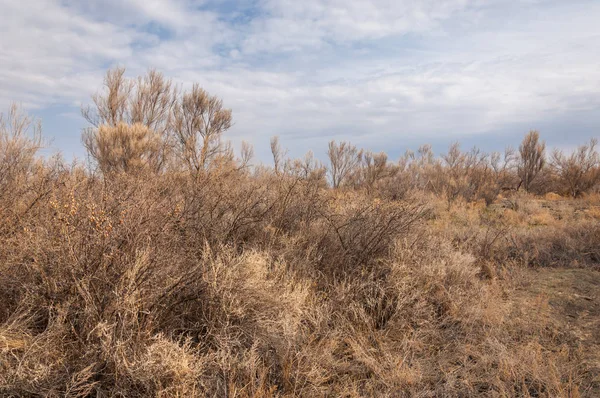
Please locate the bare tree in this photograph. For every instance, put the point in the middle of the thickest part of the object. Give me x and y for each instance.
(503, 167)
(466, 174)
(580, 171)
(191, 123)
(423, 168)
(344, 158)
(113, 105)
(278, 154)
(146, 101)
(307, 168)
(152, 102)
(199, 123)
(373, 168)
(246, 154)
(532, 159)
(20, 139)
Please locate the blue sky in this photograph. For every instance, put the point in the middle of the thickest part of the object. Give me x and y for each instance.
(384, 74)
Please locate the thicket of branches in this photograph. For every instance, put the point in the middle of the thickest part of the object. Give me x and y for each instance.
(173, 268)
(147, 123)
(470, 175)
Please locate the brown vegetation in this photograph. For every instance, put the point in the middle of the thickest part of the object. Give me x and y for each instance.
(178, 270)
(532, 159)
(579, 172)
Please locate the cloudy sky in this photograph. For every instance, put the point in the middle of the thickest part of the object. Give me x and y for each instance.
(384, 74)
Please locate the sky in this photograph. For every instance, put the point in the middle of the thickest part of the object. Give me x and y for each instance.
(383, 74)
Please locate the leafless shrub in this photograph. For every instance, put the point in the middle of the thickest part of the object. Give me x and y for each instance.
(344, 158)
(20, 140)
(362, 233)
(25, 179)
(574, 245)
(467, 175)
(579, 172)
(372, 171)
(532, 159)
(199, 123)
(307, 168)
(147, 100)
(278, 155)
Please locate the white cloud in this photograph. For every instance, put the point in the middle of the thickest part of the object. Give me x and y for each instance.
(365, 70)
(172, 13)
(290, 25)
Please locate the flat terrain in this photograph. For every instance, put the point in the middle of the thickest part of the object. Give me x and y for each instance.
(569, 300)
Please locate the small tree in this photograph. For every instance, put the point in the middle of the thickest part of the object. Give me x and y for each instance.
(455, 173)
(307, 168)
(190, 124)
(246, 155)
(153, 101)
(278, 154)
(373, 168)
(199, 123)
(532, 159)
(423, 169)
(503, 167)
(344, 159)
(20, 139)
(141, 107)
(580, 171)
(111, 107)
(147, 100)
(466, 174)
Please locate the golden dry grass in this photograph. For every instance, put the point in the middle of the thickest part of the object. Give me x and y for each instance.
(247, 285)
(239, 282)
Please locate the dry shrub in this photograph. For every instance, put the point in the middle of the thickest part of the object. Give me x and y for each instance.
(231, 281)
(551, 233)
(354, 232)
(552, 196)
(532, 159)
(542, 218)
(124, 148)
(579, 172)
(24, 178)
(576, 244)
(523, 231)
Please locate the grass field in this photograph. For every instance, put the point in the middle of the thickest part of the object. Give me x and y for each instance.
(175, 270)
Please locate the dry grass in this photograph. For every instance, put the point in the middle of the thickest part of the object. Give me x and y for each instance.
(239, 283)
